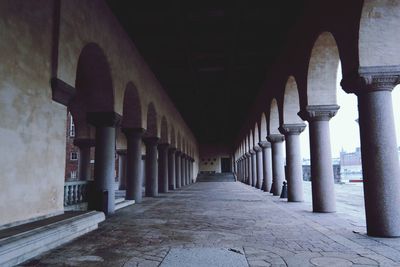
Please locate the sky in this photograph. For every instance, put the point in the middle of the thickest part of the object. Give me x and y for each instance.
(344, 130)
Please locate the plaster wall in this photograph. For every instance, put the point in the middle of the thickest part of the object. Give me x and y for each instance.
(32, 126)
(36, 45)
(210, 157)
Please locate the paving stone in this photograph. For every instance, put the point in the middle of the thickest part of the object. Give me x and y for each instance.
(209, 218)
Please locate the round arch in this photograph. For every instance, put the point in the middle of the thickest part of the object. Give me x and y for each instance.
(273, 118)
(291, 103)
(164, 131)
(132, 108)
(322, 71)
(151, 127)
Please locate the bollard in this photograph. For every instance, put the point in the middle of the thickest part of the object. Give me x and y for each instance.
(284, 190)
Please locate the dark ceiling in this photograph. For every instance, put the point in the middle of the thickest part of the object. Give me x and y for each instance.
(210, 56)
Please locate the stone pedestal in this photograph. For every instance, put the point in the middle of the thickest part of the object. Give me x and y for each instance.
(134, 177)
(84, 144)
(121, 169)
(278, 165)
(104, 166)
(178, 169)
(259, 167)
(171, 168)
(151, 166)
(163, 168)
(322, 181)
(267, 165)
(380, 162)
(294, 168)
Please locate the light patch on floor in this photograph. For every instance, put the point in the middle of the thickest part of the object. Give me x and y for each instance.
(199, 257)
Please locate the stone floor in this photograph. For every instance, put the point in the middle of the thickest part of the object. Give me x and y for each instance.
(229, 224)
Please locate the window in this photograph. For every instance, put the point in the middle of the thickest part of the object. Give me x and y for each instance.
(73, 156)
(73, 174)
(71, 127)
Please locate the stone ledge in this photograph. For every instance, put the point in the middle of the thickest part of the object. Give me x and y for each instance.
(23, 246)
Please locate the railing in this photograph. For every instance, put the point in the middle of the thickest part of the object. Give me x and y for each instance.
(75, 192)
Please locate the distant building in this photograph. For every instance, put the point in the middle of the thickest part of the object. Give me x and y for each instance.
(350, 166)
(72, 152)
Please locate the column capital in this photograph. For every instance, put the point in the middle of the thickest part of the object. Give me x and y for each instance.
(373, 78)
(276, 138)
(247, 155)
(178, 152)
(318, 112)
(84, 142)
(133, 132)
(252, 152)
(172, 149)
(104, 118)
(150, 140)
(264, 144)
(257, 149)
(292, 129)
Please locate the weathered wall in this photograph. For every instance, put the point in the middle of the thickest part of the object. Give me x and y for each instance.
(210, 157)
(32, 126)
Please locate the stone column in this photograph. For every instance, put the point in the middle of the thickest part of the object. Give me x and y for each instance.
(259, 164)
(171, 168)
(267, 165)
(151, 166)
(178, 169)
(104, 164)
(163, 168)
(183, 170)
(121, 169)
(134, 176)
(379, 151)
(248, 181)
(278, 165)
(323, 192)
(189, 163)
(191, 170)
(294, 168)
(253, 168)
(244, 168)
(84, 169)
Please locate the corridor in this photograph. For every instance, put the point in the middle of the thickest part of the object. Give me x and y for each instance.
(224, 224)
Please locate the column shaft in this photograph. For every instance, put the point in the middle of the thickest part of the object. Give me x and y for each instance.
(134, 176)
(104, 168)
(278, 165)
(178, 169)
(171, 169)
(294, 175)
(151, 167)
(259, 161)
(122, 170)
(323, 192)
(254, 169)
(163, 168)
(267, 165)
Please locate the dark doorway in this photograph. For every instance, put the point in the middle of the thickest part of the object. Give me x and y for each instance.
(226, 165)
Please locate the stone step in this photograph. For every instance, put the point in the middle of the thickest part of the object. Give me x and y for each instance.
(22, 246)
(124, 204)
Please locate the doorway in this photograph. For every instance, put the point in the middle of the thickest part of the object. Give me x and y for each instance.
(226, 165)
